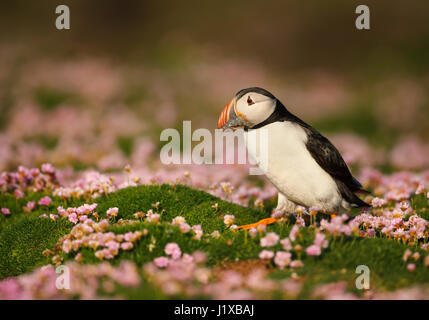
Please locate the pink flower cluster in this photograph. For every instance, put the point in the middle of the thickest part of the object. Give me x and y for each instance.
(186, 275)
(79, 214)
(283, 259)
(25, 179)
(90, 234)
(96, 281)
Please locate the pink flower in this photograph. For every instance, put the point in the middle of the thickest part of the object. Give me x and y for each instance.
(282, 259)
(253, 232)
(287, 245)
(73, 218)
(174, 250)
(266, 254)
(45, 201)
(270, 239)
(31, 205)
(112, 212)
(126, 246)
(296, 264)
(18, 194)
(228, 219)
(184, 227)
(293, 233)
(48, 168)
(5, 211)
(411, 267)
(161, 262)
(377, 202)
(320, 241)
(313, 250)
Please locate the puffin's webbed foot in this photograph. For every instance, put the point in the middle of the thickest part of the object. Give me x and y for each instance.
(254, 225)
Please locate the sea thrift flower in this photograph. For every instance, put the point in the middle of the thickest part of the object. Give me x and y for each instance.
(173, 250)
(73, 218)
(234, 227)
(313, 250)
(139, 215)
(45, 201)
(178, 220)
(287, 245)
(253, 232)
(184, 227)
(320, 240)
(270, 239)
(377, 202)
(259, 203)
(261, 228)
(161, 262)
(407, 255)
(112, 212)
(215, 234)
(266, 254)
(5, 211)
(411, 267)
(228, 219)
(416, 256)
(152, 217)
(282, 259)
(31, 205)
(48, 168)
(313, 210)
(18, 194)
(297, 248)
(198, 232)
(296, 264)
(126, 246)
(294, 233)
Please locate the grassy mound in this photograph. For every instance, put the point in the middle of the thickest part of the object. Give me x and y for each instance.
(24, 237)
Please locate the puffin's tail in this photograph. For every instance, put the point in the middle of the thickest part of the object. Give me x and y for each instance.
(351, 197)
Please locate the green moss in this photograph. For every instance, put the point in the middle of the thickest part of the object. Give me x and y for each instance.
(22, 244)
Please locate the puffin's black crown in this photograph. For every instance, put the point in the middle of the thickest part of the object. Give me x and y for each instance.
(259, 90)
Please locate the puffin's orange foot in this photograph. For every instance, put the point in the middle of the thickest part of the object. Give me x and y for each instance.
(254, 225)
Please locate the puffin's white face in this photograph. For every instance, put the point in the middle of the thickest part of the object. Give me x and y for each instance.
(248, 110)
(255, 107)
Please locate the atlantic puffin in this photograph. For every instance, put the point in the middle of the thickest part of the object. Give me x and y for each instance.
(302, 164)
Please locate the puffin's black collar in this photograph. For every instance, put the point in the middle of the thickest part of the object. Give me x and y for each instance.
(280, 113)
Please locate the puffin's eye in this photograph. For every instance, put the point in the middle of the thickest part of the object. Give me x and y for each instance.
(250, 101)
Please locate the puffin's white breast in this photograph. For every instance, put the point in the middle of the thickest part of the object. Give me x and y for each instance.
(291, 168)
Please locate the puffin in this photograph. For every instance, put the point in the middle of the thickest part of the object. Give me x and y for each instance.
(303, 165)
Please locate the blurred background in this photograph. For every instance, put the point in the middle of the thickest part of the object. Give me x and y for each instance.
(98, 95)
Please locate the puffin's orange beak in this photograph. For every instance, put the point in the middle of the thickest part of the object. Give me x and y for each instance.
(224, 116)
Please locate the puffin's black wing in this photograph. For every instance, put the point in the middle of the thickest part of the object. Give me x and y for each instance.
(329, 158)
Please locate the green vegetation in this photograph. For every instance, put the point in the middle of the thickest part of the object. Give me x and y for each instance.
(23, 237)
